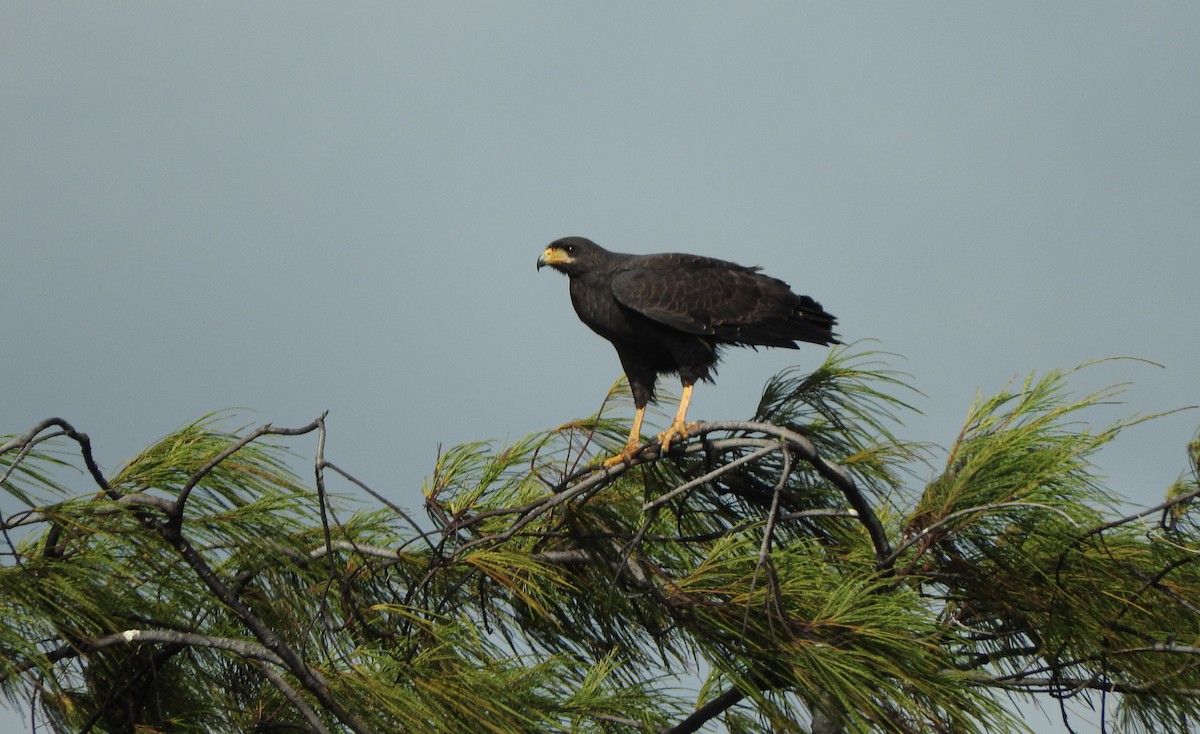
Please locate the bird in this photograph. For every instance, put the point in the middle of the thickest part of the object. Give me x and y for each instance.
(673, 313)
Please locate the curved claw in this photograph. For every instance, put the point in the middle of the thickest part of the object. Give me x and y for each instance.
(679, 431)
(625, 457)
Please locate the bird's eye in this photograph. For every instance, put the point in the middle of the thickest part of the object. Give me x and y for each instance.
(570, 249)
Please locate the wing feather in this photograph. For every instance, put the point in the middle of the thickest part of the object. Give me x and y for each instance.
(730, 302)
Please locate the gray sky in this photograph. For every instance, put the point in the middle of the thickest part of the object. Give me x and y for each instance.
(292, 207)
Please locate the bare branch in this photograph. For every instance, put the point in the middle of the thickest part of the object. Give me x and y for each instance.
(1056, 683)
(390, 554)
(773, 514)
(418, 532)
(1157, 509)
(233, 448)
(832, 472)
(706, 713)
(709, 476)
(293, 697)
(85, 444)
(242, 648)
(32, 517)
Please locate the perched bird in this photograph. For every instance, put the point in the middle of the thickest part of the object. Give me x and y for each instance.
(672, 313)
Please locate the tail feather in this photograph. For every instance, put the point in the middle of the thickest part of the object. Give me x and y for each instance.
(807, 321)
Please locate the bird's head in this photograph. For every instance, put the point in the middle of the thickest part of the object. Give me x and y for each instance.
(571, 255)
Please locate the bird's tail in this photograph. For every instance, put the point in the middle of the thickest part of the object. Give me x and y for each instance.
(804, 321)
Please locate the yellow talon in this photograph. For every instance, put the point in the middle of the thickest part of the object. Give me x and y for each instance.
(632, 445)
(676, 431)
(679, 427)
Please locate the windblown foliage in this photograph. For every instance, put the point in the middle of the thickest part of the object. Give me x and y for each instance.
(793, 562)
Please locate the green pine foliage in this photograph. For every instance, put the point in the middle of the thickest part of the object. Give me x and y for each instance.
(803, 571)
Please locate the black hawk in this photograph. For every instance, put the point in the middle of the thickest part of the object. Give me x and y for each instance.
(672, 313)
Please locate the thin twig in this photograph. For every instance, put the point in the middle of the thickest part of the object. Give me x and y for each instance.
(263, 430)
(419, 533)
(323, 499)
(26, 444)
(764, 550)
(1162, 506)
(930, 529)
(709, 476)
(32, 517)
(309, 678)
(85, 447)
(1057, 683)
(772, 515)
(832, 472)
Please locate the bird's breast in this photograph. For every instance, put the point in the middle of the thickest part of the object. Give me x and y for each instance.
(600, 311)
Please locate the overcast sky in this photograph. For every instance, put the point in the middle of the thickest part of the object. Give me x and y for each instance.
(292, 208)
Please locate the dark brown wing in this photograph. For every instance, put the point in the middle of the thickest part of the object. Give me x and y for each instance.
(732, 303)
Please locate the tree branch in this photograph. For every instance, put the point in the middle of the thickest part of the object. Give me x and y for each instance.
(29, 438)
(253, 652)
(263, 430)
(934, 527)
(1031, 684)
(311, 681)
(834, 473)
(171, 533)
(705, 713)
(709, 476)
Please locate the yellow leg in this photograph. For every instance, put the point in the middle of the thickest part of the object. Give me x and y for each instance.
(634, 442)
(679, 427)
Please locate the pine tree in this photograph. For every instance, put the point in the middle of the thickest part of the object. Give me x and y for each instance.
(791, 573)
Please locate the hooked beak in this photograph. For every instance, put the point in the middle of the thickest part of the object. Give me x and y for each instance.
(553, 256)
